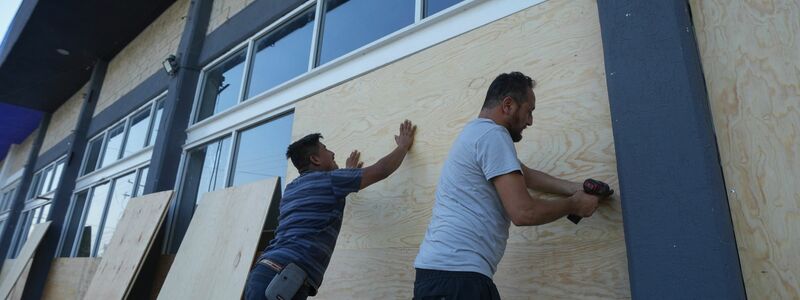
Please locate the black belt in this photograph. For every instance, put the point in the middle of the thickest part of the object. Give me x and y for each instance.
(278, 268)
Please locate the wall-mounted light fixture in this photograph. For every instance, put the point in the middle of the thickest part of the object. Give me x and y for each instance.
(170, 64)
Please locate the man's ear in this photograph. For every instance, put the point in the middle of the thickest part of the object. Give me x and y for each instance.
(507, 104)
(314, 159)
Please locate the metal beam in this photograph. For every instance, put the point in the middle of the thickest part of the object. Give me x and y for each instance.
(678, 230)
(40, 267)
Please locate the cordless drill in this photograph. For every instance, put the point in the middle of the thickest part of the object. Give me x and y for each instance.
(593, 187)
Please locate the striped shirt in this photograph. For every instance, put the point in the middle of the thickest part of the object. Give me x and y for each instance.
(310, 218)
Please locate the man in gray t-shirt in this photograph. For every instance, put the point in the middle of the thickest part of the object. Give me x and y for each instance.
(483, 188)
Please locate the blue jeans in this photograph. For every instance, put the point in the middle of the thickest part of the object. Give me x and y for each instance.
(259, 279)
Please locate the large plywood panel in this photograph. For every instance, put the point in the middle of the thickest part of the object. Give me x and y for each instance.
(63, 121)
(129, 246)
(142, 57)
(750, 52)
(16, 274)
(217, 252)
(441, 89)
(69, 278)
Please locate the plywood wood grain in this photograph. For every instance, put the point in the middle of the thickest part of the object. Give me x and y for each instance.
(441, 89)
(14, 275)
(217, 251)
(129, 246)
(750, 52)
(69, 278)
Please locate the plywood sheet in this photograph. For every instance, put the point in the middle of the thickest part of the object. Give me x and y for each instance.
(441, 89)
(69, 278)
(129, 246)
(750, 52)
(14, 275)
(216, 253)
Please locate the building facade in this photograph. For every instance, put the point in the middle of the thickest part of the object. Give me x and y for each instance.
(700, 137)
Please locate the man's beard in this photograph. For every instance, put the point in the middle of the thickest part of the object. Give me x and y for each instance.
(516, 136)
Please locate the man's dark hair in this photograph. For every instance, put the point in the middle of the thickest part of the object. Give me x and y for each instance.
(514, 85)
(301, 150)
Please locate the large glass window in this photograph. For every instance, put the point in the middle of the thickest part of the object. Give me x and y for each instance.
(113, 145)
(282, 54)
(34, 189)
(434, 6)
(57, 175)
(47, 178)
(121, 193)
(140, 182)
(137, 132)
(73, 221)
(261, 151)
(7, 198)
(207, 167)
(221, 86)
(27, 219)
(129, 136)
(89, 231)
(350, 24)
(156, 121)
(92, 154)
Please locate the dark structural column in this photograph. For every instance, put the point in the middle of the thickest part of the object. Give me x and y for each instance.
(18, 202)
(678, 230)
(47, 249)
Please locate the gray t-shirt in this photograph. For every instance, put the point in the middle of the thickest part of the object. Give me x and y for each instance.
(469, 227)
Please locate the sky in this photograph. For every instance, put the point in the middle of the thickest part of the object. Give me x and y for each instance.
(8, 8)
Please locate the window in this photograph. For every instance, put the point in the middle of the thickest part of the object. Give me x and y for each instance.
(156, 122)
(28, 218)
(137, 132)
(282, 54)
(92, 154)
(261, 151)
(434, 6)
(46, 180)
(6, 198)
(121, 193)
(207, 166)
(127, 137)
(113, 145)
(95, 212)
(350, 24)
(221, 86)
(140, 182)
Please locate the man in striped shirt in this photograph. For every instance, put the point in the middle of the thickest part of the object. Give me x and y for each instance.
(311, 211)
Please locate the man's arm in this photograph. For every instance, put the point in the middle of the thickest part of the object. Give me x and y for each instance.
(389, 163)
(525, 210)
(543, 182)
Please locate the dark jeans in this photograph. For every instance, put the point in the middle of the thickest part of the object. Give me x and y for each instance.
(259, 279)
(451, 285)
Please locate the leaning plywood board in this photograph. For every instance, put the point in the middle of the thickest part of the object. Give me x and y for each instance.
(129, 246)
(442, 88)
(216, 253)
(25, 254)
(751, 58)
(19, 287)
(69, 278)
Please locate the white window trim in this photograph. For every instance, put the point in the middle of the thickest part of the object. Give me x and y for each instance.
(442, 26)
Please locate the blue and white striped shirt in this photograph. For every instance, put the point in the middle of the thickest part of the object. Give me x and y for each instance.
(310, 218)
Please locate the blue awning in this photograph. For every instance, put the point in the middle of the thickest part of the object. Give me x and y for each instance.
(16, 124)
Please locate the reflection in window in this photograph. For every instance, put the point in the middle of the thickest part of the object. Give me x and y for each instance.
(113, 145)
(282, 54)
(91, 225)
(92, 155)
(73, 220)
(137, 132)
(221, 86)
(434, 6)
(34, 185)
(121, 192)
(46, 180)
(57, 175)
(156, 122)
(262, 151)
(140, 182)
(350, 24)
